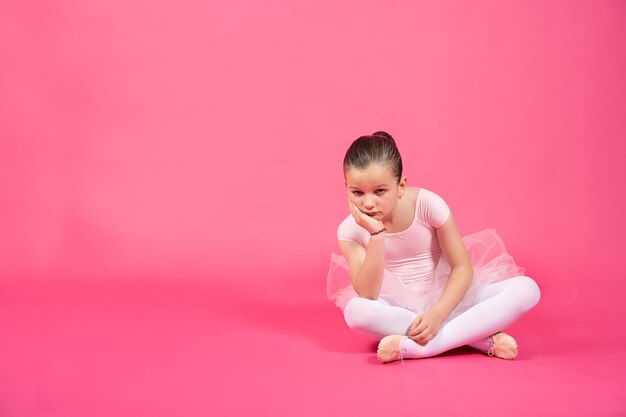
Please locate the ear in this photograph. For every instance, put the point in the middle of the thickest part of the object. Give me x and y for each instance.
(402, 186)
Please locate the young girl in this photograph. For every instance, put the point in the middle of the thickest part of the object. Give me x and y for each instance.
(412, 280)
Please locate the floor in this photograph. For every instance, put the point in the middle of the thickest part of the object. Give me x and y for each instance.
(165, 346)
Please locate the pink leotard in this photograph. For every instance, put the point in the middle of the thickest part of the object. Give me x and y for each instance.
(412, 254)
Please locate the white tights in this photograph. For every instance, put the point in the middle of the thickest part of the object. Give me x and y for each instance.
(499, 305)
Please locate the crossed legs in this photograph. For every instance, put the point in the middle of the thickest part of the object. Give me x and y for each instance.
(499, 305)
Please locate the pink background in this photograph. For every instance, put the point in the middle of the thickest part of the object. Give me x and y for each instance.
(177, 159)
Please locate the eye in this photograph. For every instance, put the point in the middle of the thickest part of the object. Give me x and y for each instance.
(357, 193)
(380, 191)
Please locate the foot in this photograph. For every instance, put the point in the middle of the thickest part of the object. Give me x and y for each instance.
(390, 349)
(503, 346)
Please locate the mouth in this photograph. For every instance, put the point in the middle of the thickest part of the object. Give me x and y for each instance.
(372, 214)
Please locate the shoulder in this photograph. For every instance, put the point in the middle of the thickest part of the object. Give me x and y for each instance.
(431, 208)
(428, 196)
(349, 230)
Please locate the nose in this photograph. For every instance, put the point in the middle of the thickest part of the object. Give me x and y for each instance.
(368, 203)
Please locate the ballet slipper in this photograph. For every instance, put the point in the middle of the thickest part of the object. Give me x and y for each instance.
(503, 346)
(390, 349)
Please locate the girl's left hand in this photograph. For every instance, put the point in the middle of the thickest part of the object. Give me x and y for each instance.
(425, 327)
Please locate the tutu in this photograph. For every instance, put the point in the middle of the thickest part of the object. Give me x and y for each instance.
(487, 253)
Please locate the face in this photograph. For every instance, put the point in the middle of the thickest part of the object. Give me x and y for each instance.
(374, 190)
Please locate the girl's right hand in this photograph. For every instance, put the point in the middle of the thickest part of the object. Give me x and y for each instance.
(368, 223)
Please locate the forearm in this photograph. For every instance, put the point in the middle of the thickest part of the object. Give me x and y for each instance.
(369, 279)
(456, 288)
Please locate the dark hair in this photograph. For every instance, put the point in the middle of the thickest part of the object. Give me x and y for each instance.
(377, 148)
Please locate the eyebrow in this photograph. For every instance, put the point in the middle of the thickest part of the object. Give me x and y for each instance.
(376, 186)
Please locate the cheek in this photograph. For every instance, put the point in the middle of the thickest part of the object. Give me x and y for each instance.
(390, 201)
(353, 198)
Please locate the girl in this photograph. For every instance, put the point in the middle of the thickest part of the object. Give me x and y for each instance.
(412, 280)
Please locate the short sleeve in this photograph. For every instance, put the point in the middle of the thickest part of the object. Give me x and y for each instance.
(350, 231)
(433, 208)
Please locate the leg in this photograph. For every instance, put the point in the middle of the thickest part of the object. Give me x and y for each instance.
(500, 305)
(376, 318)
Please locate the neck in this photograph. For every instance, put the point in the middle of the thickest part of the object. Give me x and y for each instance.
(391, 219)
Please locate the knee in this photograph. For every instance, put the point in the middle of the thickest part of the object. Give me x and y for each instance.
(528, 291)
(359, 312)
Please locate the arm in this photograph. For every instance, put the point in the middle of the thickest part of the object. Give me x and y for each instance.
(366, 265)
(461, 272)
(426, 326)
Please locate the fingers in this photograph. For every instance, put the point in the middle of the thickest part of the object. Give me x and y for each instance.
(355, 212)
(423, 337)
(351, 207)
(358, 215)
(423, 340)
(363, 220)
(419, 337)
(419, 326)
(422, 331)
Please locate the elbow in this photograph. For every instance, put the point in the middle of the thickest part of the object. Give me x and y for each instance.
(465, 267)
(463, 271)
(367, 293)
(365, 287)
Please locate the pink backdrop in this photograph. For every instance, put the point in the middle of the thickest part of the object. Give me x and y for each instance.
(190, 139)
(194, 138)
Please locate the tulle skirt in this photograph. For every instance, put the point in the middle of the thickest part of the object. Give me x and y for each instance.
(490, 261)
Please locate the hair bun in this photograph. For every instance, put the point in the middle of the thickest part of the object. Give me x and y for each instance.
(383, 134)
